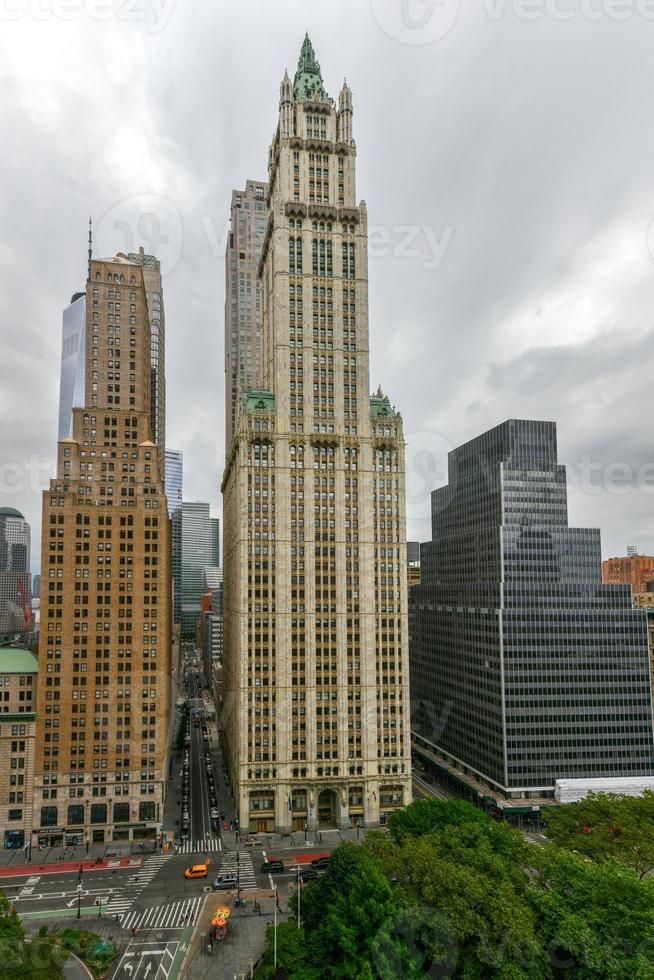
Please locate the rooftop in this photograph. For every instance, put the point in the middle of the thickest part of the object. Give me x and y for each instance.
(11, 512)
(17, 660)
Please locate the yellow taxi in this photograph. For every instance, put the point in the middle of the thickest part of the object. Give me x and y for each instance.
(196, 871)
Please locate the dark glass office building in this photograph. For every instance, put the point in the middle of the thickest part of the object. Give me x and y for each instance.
(524, 667)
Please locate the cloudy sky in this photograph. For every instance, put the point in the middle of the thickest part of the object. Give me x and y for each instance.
(505, 153)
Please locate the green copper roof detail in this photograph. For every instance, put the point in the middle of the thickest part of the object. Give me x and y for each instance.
(308, 84)
(380, 405)
(258, 401)
(17, 660)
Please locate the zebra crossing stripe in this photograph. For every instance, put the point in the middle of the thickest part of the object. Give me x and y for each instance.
(211, 845)
(136, 884)
(176, 915)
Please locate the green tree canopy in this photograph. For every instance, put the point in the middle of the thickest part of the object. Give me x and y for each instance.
(425, 816)
(22, 959)
(605, 825)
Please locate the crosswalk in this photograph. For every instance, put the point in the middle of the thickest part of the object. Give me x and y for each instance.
(243, 868)
(175, 915)
(135, 884)
(208, 846)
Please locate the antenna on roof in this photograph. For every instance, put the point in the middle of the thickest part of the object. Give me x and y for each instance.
(90, 244)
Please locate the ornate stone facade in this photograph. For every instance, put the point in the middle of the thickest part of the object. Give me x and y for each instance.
(316, 708)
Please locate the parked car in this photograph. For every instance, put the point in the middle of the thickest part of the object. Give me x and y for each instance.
(273, 867)
(308, 874)
(320, 863)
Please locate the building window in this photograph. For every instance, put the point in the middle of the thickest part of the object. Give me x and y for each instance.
(75, 815)
(98, 813)
(48, 816)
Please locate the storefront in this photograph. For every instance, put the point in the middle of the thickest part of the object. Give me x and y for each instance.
(51, 837)
(14, 839)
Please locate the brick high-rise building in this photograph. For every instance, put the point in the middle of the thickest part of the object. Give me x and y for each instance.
(634, 570)
(104, 701)
(247, 229)
(316, 702)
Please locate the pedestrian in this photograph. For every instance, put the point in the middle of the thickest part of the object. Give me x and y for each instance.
(87, 847)
(133, 931)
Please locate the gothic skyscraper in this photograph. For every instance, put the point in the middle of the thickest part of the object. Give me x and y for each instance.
(316, 653)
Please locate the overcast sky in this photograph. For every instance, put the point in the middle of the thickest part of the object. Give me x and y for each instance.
(505, 152)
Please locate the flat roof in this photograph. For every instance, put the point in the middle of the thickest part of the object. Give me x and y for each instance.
(17, 660)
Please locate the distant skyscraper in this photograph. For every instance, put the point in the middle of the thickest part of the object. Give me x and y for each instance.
(174, 479)
(15, 543)
(200, 547)
(154, 293)
(525, 668)
(316, 645)
(243, 296)
(73, 363)
(105, 633)
(174, 497)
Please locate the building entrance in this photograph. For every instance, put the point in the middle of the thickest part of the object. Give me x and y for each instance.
(327, 803)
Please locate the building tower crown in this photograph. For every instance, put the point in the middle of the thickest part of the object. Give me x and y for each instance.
(308, 84)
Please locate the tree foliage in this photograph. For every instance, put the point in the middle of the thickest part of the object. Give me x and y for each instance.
(605, 825)
(425, 816)
(468, 898)
(26, 959)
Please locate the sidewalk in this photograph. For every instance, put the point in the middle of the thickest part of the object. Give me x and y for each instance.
(245, 942)
(67, 867)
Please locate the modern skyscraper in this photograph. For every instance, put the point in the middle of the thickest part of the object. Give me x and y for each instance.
(525, 668)
(104, 704)
(73, 363)
(316, 656)
(243, 297)
(174, 497)
(154, 293)
(200, 547)
(15, 590)
(174, 479)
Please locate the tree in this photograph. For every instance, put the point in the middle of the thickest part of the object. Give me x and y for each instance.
(344, 911)
(606, 825)
(291, 954)
(424, 816)
(595, 920)
(23, 959)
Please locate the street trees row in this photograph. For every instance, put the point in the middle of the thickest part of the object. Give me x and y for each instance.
(449, 892)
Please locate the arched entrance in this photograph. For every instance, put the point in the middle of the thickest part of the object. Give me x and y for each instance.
(327, 803)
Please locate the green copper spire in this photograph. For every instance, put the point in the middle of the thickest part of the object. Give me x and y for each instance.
(308, 83)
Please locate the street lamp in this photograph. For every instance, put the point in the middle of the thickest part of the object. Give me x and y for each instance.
(298, 895)
(98, 902)
(275, 931)
(79, 900)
